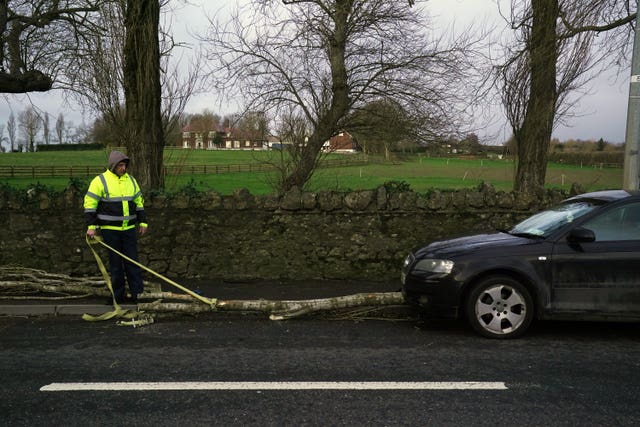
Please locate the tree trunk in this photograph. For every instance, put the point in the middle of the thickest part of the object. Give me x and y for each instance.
(327, 124)
(535, 136)
(145, 138)
(305, 166)
(282, 309)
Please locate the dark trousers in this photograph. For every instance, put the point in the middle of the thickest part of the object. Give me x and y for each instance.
(126, 243)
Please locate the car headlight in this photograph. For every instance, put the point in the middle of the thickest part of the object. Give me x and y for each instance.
(434, 266)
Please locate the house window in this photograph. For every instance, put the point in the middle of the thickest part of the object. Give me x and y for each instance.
(186, 134)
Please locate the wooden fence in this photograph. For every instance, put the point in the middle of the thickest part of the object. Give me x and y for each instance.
(48, 171)
(84, 171)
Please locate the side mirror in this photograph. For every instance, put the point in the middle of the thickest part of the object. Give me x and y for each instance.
(581, 235)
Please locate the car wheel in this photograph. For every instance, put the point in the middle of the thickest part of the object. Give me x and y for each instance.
(500, 307)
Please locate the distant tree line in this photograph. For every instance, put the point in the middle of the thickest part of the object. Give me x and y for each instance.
(32, 129)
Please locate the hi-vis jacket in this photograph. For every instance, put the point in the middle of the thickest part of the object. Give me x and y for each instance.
(114, 202)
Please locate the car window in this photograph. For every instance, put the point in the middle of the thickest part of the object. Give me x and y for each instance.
(546, 222)
(621, 223)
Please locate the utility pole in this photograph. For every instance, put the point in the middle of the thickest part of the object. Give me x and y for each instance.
(632, 141)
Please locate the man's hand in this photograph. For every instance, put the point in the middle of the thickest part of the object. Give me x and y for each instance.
(143, 231)
(91, 233)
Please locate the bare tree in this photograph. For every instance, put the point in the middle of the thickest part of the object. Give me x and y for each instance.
(323, 59)
(204, 122)
(11, 131)
(2, 139)
(38, 41)
(556, 54)
(180, 80)
(82, 134)
(30, 125)
(254, 124)
(100, 82)
(46, 129)
(380, 125)
(68, 135)
(293, 131)
(60, 127)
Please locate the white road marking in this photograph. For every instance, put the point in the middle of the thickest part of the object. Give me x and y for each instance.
(256, 385)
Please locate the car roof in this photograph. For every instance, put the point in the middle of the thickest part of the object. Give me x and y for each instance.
(605, 195)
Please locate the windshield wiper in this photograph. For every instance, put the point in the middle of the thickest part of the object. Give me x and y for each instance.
(520, 234)
(526, 235)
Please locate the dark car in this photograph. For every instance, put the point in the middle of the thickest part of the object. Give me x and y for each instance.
(577, 261)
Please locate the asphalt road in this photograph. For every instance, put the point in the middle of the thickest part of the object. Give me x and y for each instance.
(559, 374)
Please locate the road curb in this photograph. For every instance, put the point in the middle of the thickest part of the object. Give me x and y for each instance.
(97, 309)
(56, 309)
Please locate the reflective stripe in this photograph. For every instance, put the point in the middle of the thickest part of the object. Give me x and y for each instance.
(117, 227)
(108, 198)
(119, 199)
(92, 195)
(104, 186)
(91, 210)
(116, 218)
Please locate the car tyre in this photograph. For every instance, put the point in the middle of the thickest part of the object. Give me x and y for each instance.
(499, 307)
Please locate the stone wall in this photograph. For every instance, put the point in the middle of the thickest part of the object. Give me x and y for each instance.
(361, 235)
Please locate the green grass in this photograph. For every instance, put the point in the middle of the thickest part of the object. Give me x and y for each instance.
(421, 173)
(100, 157)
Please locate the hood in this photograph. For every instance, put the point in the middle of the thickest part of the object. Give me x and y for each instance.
(116, 157)
(461, 245)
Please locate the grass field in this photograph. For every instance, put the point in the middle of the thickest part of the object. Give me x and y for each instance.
(421, 173)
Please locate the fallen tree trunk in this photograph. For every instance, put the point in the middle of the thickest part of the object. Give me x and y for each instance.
(27, 283)
(280, 309)
(22, 283)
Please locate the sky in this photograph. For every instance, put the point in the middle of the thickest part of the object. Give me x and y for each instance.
(600, 114)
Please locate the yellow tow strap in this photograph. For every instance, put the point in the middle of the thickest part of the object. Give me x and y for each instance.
(131, 315)
(118, 312)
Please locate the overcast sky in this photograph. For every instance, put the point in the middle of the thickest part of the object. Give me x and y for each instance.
(602, 113)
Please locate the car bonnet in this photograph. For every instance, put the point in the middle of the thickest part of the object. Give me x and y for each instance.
(460, 245)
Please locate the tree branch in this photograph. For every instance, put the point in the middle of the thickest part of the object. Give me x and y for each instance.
(30, 81)
(572, 31)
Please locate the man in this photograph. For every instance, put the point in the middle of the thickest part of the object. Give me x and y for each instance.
(114, 205)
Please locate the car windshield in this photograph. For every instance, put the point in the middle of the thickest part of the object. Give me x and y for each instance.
(546, 222)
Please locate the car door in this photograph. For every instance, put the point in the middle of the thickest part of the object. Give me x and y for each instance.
(602, 276)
